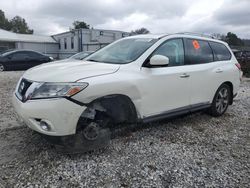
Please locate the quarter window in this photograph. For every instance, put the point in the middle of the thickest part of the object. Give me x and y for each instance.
(197, 52)
(221, 53)
(34, 55)
(173, 49)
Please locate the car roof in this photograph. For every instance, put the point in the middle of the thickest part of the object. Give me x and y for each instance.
(184, 35)
(24, 51)
(15, 51)
(148, 36)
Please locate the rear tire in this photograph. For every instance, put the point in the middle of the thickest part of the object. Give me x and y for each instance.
(221, 101)
(2, 68)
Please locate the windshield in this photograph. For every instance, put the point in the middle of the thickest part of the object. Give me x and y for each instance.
(6, 52)
(123, 51)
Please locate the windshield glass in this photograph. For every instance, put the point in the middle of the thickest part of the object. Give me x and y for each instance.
(6, 52)
(123, 51)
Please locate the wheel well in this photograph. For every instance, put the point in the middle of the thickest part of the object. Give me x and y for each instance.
(231, 90)
(119, 108)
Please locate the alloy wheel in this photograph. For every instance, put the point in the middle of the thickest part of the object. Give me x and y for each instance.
(222, 100)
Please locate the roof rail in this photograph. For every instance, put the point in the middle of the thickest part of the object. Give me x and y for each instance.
(196, 34)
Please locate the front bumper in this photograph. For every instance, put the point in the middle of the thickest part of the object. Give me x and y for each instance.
(60, 114)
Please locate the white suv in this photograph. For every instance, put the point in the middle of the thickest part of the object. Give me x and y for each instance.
(141, 78)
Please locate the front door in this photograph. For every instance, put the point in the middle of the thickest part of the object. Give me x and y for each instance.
(19, 61)
(166, 89)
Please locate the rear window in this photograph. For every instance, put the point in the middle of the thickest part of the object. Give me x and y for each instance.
(34, 55)
(197, 52)
(221, 53)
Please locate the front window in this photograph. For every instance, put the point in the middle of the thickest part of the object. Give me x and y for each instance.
(174, 50)
(123, 51)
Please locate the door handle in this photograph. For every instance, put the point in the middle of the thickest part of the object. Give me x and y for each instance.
(219, 71)
(184, 75)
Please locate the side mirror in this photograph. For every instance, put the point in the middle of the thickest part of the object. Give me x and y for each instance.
(159, 60)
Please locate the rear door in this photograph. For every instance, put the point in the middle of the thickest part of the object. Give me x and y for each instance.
(200, 67)
(34, 59)
(209, 67)
(37, 59)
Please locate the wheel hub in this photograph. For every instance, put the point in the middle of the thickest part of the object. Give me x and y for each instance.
(91, 131)
(222, 100)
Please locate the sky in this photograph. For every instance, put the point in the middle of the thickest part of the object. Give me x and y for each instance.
(49, 17)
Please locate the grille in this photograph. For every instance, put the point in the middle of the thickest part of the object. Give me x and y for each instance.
(22, 88)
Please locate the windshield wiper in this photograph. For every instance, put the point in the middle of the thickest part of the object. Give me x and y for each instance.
(92, 60)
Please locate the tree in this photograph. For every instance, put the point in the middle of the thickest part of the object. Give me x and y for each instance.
(16, 24)
(219, 36)
(19, 25)
(232, 39)
(140, 31)
(80, 25)
(4, 22)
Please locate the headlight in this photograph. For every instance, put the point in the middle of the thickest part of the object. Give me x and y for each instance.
(53, 90)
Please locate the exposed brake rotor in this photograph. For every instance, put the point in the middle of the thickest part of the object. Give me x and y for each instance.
(91, 131)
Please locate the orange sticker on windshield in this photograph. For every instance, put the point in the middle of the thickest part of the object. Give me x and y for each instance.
(196, 44)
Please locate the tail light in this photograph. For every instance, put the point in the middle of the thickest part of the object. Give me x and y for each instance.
(238, 66)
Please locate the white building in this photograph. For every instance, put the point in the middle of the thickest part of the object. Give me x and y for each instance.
(61, 45)
(43, 44)
(79, 40)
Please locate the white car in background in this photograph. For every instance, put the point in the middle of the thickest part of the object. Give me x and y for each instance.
(75, 57)
(80, 55)
(141, 78)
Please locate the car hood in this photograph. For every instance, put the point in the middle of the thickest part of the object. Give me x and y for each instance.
(70, 71)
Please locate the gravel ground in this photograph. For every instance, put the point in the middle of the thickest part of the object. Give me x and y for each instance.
(191, 151)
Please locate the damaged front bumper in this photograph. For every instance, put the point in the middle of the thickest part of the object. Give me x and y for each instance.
(59, 115)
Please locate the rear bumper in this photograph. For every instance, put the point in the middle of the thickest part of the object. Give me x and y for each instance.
(60, 114)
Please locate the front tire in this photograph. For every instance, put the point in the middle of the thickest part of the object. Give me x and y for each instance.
(221, 101)
(90, 135)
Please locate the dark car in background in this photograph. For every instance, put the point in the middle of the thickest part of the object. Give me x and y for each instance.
(243, 58)
(21, 59)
